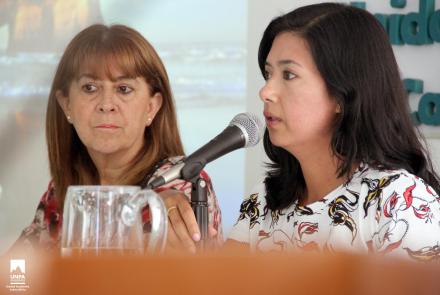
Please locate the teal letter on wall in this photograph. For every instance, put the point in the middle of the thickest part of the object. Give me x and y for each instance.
(434, 26)
(414, 86)
(414, 29)
(429, 109)
(394, 31)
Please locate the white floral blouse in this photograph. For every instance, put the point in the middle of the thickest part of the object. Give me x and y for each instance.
(376, 211)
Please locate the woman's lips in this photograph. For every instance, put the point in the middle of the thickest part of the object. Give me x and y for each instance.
(107, 126)
(271, 120)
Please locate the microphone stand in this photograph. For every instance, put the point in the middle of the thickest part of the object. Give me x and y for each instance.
(199, 204)
(199, 196)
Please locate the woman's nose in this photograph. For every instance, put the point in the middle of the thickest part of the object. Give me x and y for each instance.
(267, 92)
(106, 107)
(106, 103)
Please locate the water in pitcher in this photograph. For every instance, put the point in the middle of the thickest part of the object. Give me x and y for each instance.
(75, 252)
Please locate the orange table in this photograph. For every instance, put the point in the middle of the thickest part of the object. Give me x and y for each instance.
(224, 274)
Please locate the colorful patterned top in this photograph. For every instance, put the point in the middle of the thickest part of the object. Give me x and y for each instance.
(376, 211)
(45, 230)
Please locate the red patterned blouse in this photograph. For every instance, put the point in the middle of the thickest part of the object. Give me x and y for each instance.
(45, 230)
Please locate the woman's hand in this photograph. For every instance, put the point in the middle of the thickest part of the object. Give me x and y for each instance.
(183, 230)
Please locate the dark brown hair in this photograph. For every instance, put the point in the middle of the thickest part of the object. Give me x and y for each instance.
(354, 57)
(99, 47)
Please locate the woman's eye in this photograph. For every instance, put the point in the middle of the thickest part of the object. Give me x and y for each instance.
(124, 89)
(267, 75)
(89, 88)
(288, 75)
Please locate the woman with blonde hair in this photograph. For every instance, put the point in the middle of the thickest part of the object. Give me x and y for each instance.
(111, 120)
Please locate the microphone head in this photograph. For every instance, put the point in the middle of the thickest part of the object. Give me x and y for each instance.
(251, 126)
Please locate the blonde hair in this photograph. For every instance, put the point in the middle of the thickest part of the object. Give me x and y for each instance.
(100, 47)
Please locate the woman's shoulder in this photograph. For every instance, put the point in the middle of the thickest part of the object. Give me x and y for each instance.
(407, 212)
(366, 171)
(50, 206)
(389, 185)
(48, 199)
(396, 179)
(44, 230)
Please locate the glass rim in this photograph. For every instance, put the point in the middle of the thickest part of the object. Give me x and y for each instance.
(103, 187)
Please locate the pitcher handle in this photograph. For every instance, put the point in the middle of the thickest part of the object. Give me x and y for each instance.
(159, 218)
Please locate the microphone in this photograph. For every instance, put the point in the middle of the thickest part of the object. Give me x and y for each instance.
(244, 130)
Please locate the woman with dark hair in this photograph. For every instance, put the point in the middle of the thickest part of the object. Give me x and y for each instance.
(111, 120)
(348, 171)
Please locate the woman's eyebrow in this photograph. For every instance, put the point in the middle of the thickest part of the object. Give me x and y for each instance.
(288, 62)
(87, 75)
(283, 62)
(113, 79)
(123, 77)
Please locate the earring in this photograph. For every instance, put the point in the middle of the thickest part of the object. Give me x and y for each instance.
(338, 109)
(69, 119)
(149, 121)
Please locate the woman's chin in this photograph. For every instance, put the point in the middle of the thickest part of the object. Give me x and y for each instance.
(277, 141)
(105, 150)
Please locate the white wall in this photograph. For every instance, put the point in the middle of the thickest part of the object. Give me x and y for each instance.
(421, 62)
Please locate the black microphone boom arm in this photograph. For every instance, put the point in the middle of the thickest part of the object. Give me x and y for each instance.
(214, 149)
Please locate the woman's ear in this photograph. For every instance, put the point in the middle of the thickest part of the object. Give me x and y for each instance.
(63, 101)
(154, 105)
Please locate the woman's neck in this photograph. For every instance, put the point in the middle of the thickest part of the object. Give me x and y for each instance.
(321, 178)
(111, 167)
(110, 175)
(319, 169)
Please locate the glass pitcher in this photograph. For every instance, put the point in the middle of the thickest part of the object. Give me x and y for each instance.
(108, 220)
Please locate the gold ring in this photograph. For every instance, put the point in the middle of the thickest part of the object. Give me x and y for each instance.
(171, 208)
